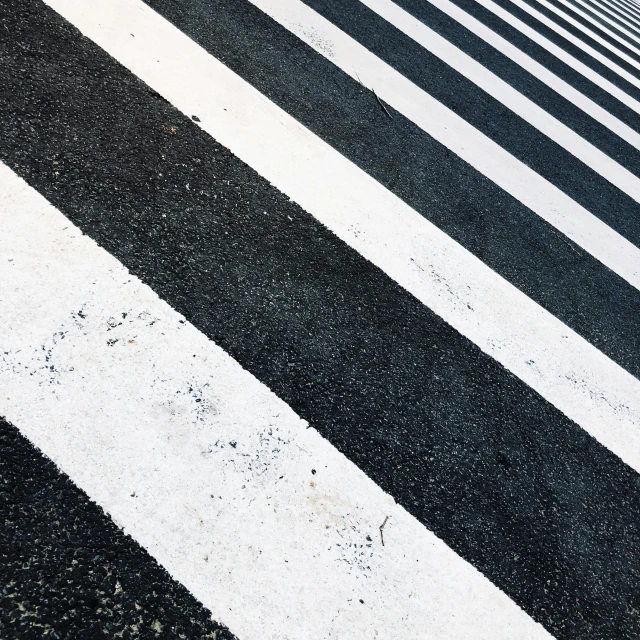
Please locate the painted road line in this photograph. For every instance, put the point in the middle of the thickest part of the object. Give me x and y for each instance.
(561, 277)
(374, 222)
(258, 516)
(613, 18)
(626, 9)
(408, 399)
(570, 60)
(591, 30)
(526, 251)
(549, 202)
(620, 13)
(508, 96)
(633, 6)
(581, 44)
(68, 571)
(404, 158)
(527, 83)
(631, 46)
(599, 26)
(488, 116)
(539, 71)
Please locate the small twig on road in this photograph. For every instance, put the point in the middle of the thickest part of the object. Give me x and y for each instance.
(375, 94)
(381, 528)
(380, 103)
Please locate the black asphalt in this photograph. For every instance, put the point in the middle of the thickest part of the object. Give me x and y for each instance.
(67, 571)
(506, 480)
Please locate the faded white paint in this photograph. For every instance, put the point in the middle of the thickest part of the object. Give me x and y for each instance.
(204, 466)
(564, 368)
(503, 92)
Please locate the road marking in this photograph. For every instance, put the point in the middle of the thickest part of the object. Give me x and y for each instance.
(568, 59)
(619, 19)
(630, 78)
(508, 96)
(240, 500)
(570, 373)
(589, 32)
(524, 184)
(539, 71)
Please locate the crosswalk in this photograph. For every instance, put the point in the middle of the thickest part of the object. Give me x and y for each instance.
(331, 307)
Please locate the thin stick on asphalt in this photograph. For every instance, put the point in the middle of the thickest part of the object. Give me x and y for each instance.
(381, 528)
(382, 105)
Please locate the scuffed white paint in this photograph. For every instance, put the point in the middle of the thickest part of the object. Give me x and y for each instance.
(204, 466)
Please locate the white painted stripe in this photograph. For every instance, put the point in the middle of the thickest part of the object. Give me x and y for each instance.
(602, 8)
(627, 7)
(564, 368)
(144, 428)
(596, 55)
(568, 59)
(540, 72)
(629, 45)
(502, 91)
(512, 175)
(621, 10)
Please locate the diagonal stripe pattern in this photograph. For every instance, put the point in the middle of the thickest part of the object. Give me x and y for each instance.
(332, 307)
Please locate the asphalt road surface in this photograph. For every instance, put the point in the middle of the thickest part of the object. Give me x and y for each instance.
(320, 319)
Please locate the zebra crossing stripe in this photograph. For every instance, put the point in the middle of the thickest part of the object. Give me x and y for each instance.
(539, 71)
(470, 451)
(613, 18)
(69, 571)
(624, 41)
(625, 9)
(486, 115)
(438, 272)
(526, 251)
(578, 42)
(597, 78)
(267, 524)
(511, 98)
(549, 202)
